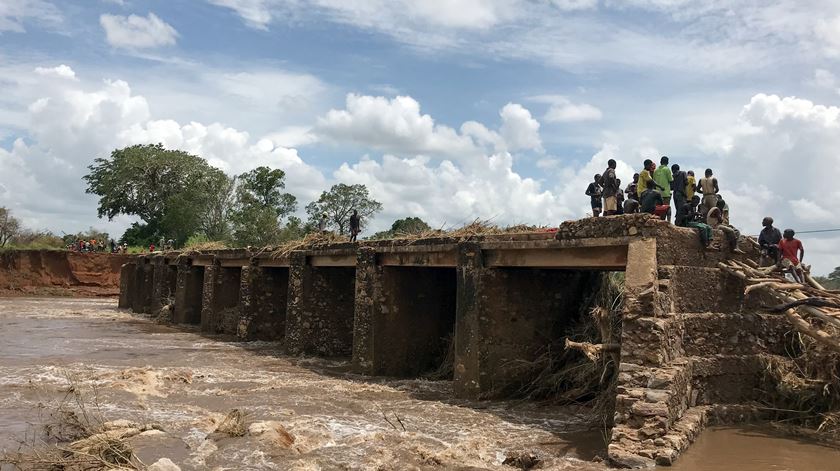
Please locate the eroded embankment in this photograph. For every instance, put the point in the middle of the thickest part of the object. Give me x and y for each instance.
(59, 272)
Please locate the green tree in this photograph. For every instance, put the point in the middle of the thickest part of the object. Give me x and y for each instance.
(402, 227)
(338, 204)
(169, 190)
(261, 205)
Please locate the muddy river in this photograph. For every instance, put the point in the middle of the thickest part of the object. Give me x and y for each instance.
(300, 413)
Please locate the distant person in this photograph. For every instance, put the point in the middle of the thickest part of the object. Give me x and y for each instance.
(690, 186)
(632, 188)
(151, 247)
(792, 253)
(717, 220)
(663, 178)
(593, 191)
(355, 225)
(708, 186)
(322, 224)
(609, 183)
(646, 178)
(688, 216)
(113, 246)
(678, 187)
(651, 200)
(768, 241)
(619, 197)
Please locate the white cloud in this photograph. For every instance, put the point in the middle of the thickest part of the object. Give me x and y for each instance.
(562, 110)
(573, 5)
(137, 32)
(519, 130)
(61, 71)
(14, 13)
(828, 32)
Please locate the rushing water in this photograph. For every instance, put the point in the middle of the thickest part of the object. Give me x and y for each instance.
(187, 383)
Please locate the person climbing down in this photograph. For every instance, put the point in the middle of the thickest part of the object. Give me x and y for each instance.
(768, 241)
(708, 186)
(717, 220)
(688, 216)
(355, 225)
(792, 253)
(593, 191)
(664, 178)
(609, 183)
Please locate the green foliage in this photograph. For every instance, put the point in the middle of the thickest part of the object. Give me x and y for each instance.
(169, 190)
(36, 240)
(403, 227)
(338, 204)
(832, 281)
(139, 234)
(260, 207)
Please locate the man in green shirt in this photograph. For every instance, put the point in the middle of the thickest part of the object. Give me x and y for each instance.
(663, 178)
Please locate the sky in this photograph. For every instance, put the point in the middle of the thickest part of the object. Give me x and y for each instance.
(448, 110)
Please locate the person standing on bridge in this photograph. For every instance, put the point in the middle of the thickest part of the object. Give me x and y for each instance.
(646, 180)
(593, 191)
(632, 188)
(678, 187)
(708, 186)
(355, 225)
(610, 184)
(664, 178)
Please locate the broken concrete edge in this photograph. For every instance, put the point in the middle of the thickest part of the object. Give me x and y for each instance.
(338, 303)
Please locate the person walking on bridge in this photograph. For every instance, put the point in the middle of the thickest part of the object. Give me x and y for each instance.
(355, 225)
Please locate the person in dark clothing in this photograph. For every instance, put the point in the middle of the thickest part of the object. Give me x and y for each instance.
(678, 186)
(609, 183)
(768, 240)
(631, 206)
(619, 197)
(650, 200)
(355, 225)
(688, 216)
(594, 192)
(633, 188)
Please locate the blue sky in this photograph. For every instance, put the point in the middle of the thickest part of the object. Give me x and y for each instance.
(447, 109)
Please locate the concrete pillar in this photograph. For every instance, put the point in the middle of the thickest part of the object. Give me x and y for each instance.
(160, 284)
(319, 316)
(127, 284)
(506, 316)
(188, 293)
(209, 321)
(220, 299)
(143, 279)
(405, 318)
(262, 303)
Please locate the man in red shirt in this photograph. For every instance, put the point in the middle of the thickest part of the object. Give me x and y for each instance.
(792, 253)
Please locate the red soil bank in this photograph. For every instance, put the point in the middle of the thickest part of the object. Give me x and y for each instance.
(58, 272)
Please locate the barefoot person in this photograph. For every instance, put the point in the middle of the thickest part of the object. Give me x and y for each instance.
(593, 191)
(355, 225)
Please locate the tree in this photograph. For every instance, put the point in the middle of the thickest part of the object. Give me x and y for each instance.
(9, 226)
(405, 226)
(261, 205)
(338, 204)
(169, 190)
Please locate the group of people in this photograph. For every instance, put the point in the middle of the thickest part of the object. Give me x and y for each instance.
(698, 204)
(95, 245)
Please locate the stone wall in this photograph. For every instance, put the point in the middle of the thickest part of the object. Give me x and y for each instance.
(263, 297)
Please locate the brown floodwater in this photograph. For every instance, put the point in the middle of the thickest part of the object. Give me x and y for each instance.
(131, 368)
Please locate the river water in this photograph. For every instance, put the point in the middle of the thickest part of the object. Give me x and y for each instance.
(302, 413)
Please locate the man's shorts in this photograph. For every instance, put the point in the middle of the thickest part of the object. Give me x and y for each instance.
(610, 204)
(596, 203)
(787, 263)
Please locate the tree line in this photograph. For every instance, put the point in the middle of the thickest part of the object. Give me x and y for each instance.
(180, 196)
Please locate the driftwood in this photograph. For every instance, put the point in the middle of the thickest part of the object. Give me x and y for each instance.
(593, 350)
(811, 309)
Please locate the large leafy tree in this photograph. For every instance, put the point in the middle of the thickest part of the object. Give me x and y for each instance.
(261, 205)
(170, 190)
(338, 204)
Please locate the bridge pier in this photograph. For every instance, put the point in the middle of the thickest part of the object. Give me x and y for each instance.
(220, 299)
(143, 283)
(164, 279)
(128, 286)
(263, 295)
(506, 316)
(188, 293)
(405, 318)
(319, 317)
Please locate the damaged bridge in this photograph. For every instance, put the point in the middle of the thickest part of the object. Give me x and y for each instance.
(691, 348)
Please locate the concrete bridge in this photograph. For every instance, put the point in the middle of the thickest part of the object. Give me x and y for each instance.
(691, 349)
